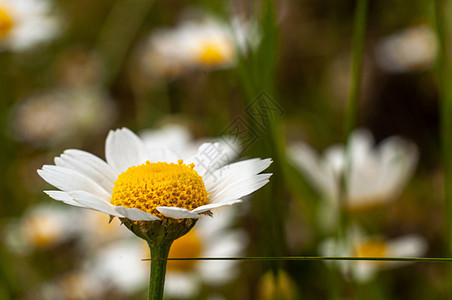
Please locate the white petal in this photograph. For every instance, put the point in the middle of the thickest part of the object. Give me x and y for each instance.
(231, 244)
(334, 160)
(174, 137)
(162, 155)
(241, 188)
(88, 165)
(63, 197)
(306, 160)
(236, 171)
(181, 285)
(119, 264)
(360, 145)
(237, 180)
(124, 149)
(212, 156)
(364, 271)
(135, 214)
(69, 180)
(407, 246)
(177, 213)
(211, 206)
(92, 201)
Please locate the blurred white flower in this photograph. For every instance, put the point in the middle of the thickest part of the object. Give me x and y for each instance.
(357, 244)
(58, 115)
(97, 230)
(24, 23)
(41, 226)
(179, 139)
(47, 226)
(203, 44)
(79, 68)
(74, 285)
(120, 266)
(411, 49)
(377, 174)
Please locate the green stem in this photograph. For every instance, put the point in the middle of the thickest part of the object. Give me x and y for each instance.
(118, 32)
(359, 29)
(159, 255)
(445, 95)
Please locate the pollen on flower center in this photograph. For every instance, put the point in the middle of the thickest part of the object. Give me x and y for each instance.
(152, 185)
(6, 22)
(211, 54)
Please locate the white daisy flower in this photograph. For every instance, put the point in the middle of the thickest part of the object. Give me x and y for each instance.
(205, 44)
(142, 185)
(360, 245)
(377, 175)
(411, 49)
(24, 23)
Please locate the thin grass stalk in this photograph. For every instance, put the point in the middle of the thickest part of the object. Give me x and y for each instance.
(271, 208)
(351, 116)
(359, 29)
(315, 258)
(8, 154)
(118, 32)
(445, 98)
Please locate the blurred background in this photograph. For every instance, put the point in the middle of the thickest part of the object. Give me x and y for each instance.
(275, 76)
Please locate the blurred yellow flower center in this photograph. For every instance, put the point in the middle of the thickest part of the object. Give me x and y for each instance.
(211, 54)
(6, 22)
(42, 231)
(186, 246)
(152, 185)
(372, 248)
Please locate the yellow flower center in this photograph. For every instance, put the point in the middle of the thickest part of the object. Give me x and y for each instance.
(372, 248)
(211, 54)
(6, 22)
(152, 185)
(186, 246)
